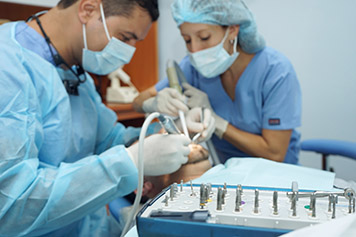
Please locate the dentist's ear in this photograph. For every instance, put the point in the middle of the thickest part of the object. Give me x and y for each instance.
(87, 9)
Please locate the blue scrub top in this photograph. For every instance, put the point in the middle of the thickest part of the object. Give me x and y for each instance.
(267, 96)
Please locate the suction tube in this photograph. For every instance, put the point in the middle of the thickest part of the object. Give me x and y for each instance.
(143, 132)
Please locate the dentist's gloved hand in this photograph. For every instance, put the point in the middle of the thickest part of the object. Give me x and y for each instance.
(163, 153)
(198, 98)
(196, 125)
(167, 101)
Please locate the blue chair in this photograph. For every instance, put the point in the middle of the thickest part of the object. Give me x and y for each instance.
(328, 147)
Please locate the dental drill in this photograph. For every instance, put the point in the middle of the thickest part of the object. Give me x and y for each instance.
(168, 124)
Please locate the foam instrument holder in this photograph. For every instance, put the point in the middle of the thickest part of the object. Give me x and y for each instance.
(229, 210)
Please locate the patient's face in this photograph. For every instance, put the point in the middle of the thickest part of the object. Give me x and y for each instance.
(197, 154)
(197, 164)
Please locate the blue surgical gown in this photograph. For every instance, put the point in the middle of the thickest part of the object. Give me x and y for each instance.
(267, 96)
(62, 157)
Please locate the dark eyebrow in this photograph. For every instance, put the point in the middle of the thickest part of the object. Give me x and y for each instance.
(133, 35)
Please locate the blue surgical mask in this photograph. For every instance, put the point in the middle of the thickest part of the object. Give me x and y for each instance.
(115, 54)
(213, 61)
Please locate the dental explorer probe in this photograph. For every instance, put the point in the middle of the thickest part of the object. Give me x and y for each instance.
(184, 124)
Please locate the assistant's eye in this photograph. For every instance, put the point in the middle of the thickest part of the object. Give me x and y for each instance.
(205, 38)
(187, 40)
(123, 38)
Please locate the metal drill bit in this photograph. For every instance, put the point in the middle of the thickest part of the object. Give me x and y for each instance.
(181, 185)
(209, 189)
(353, 205)
(334, 207)
(294, 213)
(238, 193)
(166, 201)
(295, 188)
(294, 205)
(191, 188)
(171, 192)
(202, 199)
(223, 197)
(202, 189)
(311, 202)
(219, 199)
(275, 203)
(240, 188)
(206, 193)
(225, 190)
(256, 201)
(203, 193)
(329, 206)
(314, 207)
(175, 185)
(350, 205)
(238, 200)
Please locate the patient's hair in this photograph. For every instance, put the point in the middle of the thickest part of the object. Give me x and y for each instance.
(121, 7)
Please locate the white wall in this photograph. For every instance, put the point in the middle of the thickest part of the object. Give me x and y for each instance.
(44, 3)
(319, 37)
(171, 44)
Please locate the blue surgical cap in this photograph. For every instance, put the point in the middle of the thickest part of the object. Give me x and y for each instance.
(224, 13)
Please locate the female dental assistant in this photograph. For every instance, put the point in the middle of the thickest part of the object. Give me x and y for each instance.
(252, 89)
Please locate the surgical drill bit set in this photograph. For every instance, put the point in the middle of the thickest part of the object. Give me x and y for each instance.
(280, 209)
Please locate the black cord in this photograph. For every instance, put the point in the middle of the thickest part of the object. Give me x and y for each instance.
(334, 186)
(70, 85)
(98, 85)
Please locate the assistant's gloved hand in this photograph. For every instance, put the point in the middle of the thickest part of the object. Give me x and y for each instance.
(163, 153)
(198, 98)
(167, 101)
(195, 123)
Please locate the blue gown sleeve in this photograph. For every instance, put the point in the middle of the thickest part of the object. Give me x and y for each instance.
(36, 199)
(112, 133)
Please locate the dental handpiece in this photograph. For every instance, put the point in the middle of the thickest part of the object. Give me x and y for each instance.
(168, 124)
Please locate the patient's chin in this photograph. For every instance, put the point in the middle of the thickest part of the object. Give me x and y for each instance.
(197, 152)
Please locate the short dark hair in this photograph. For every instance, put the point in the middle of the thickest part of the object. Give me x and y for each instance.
(121, 7)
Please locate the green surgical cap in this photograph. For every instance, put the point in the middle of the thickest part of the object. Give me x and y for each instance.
(223, 13)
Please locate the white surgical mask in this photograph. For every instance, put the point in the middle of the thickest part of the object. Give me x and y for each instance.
(213, 61)
(115, 54)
